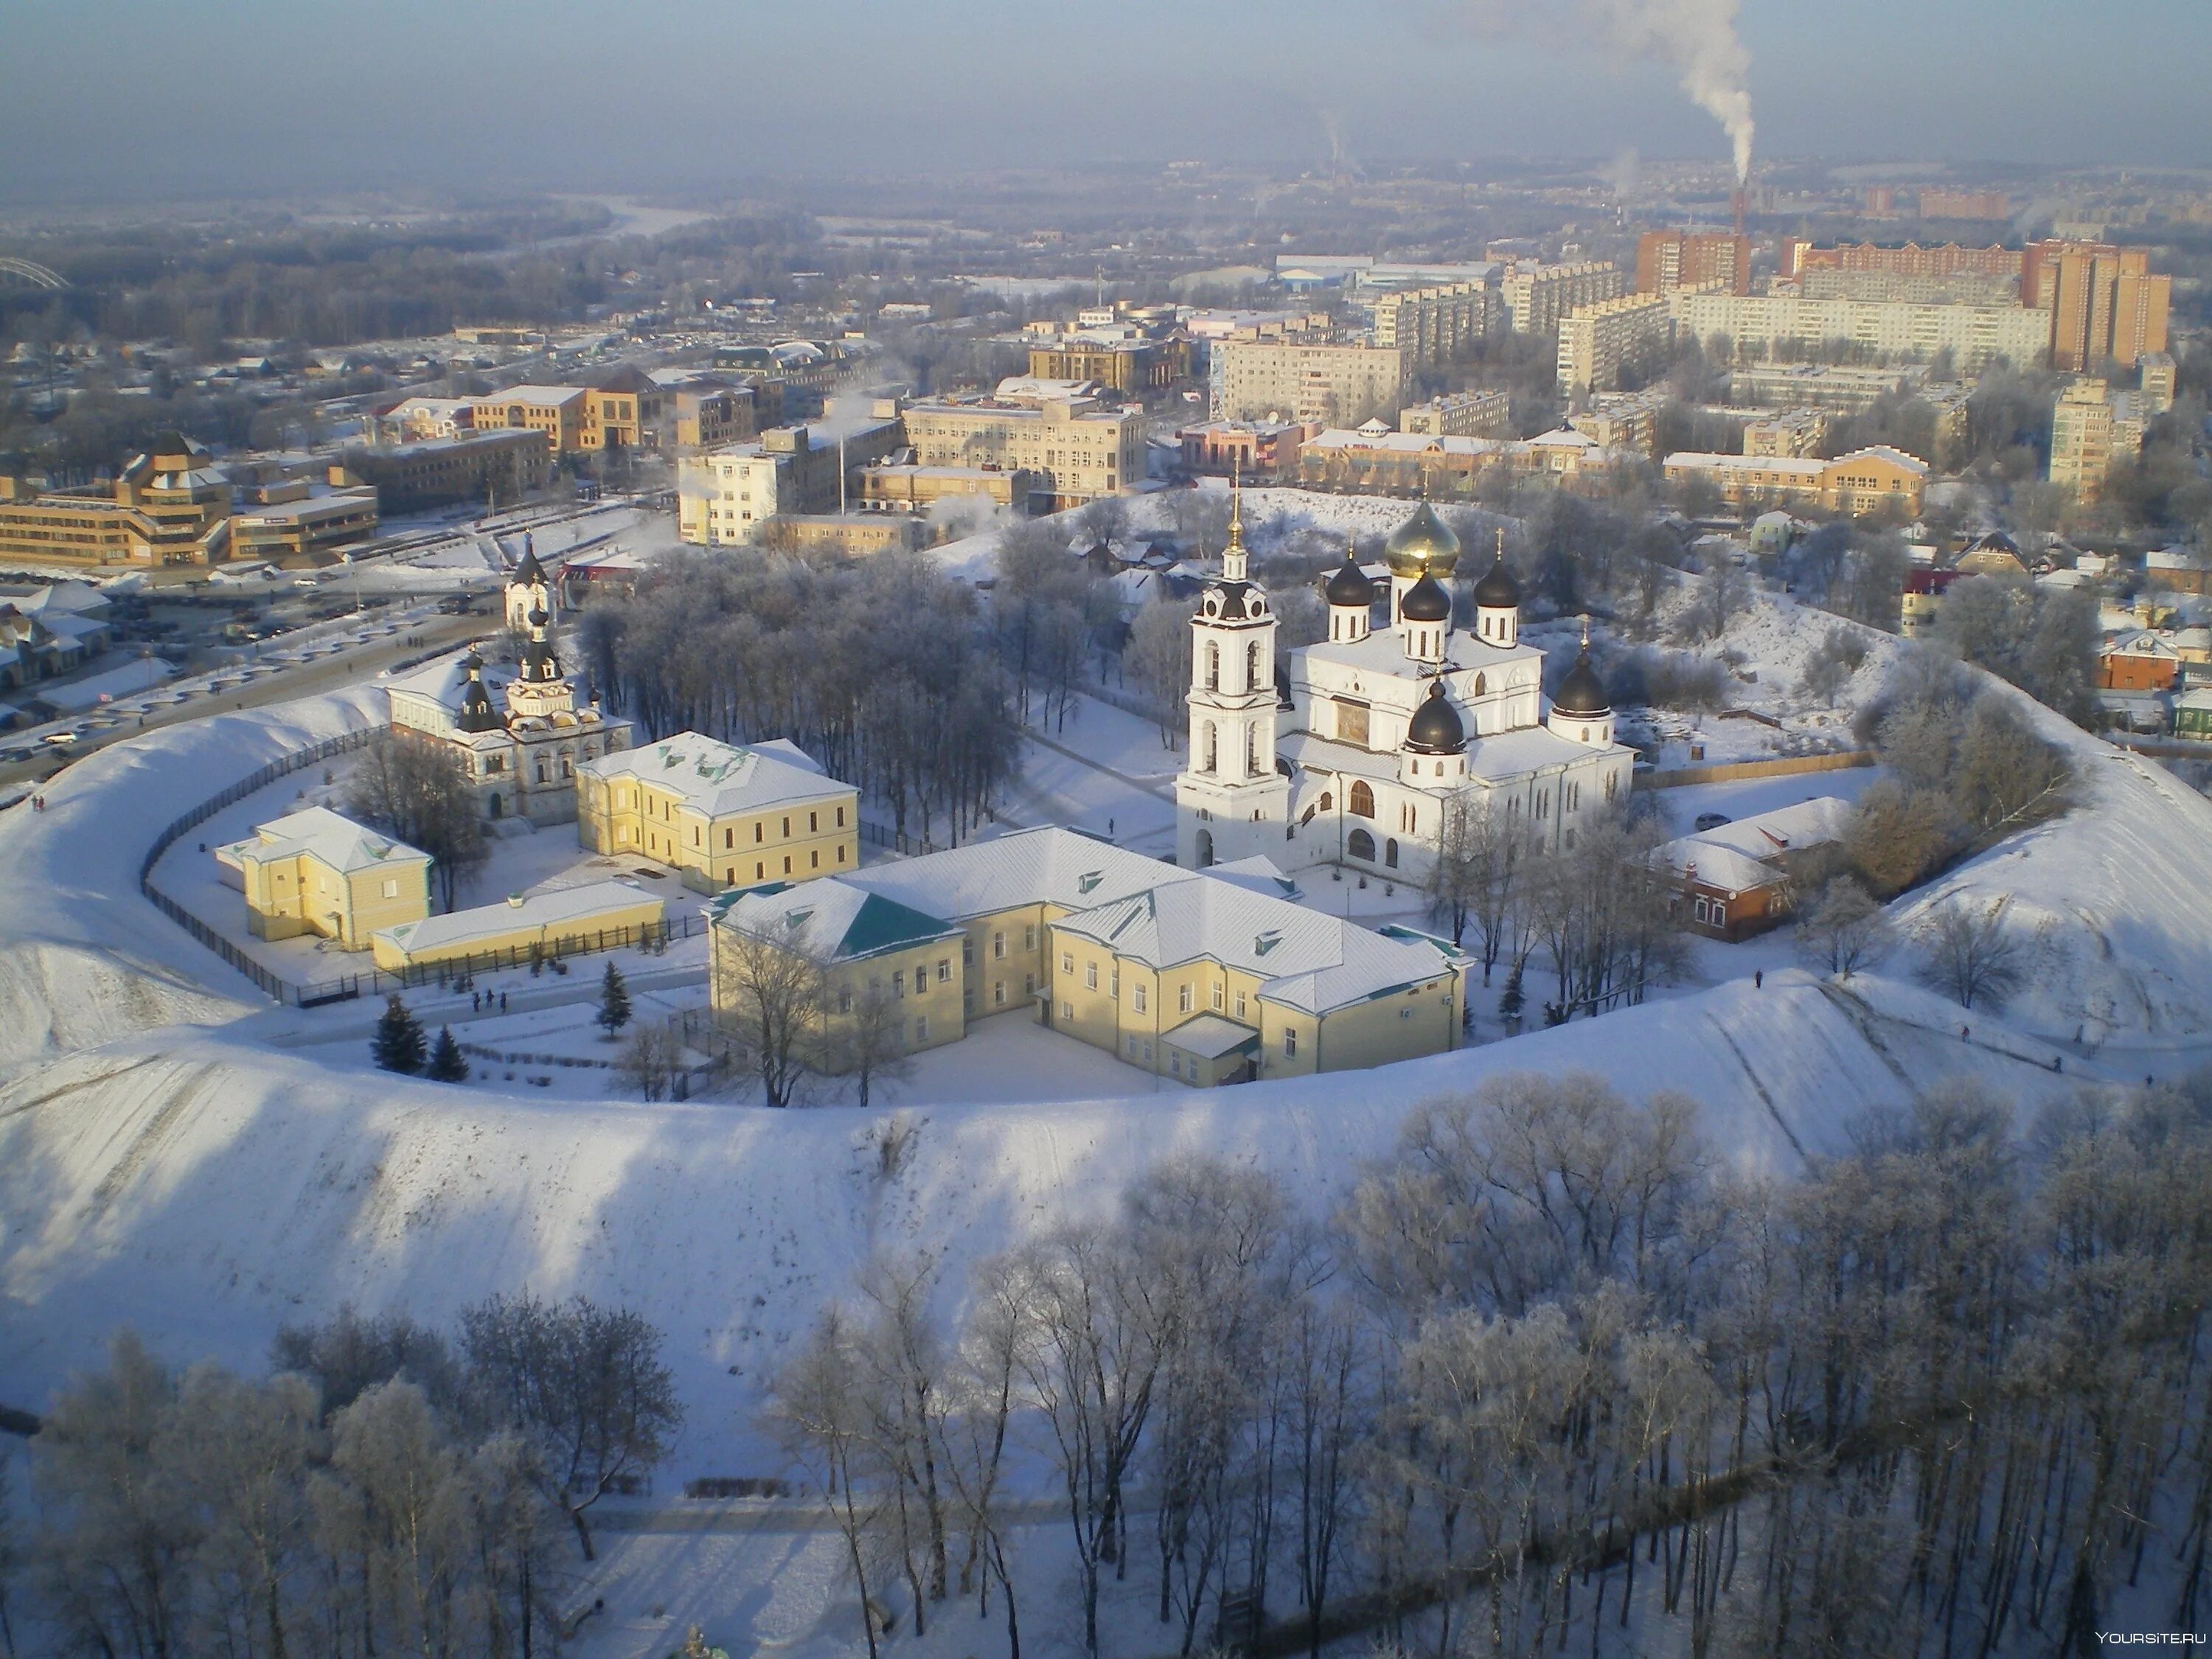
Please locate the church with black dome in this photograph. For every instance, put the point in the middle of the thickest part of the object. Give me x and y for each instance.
(1355, 750)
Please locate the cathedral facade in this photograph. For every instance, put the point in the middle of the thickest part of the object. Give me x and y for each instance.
(1356, 751)
(521, 736)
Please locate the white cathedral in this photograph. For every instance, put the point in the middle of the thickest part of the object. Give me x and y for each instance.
(1353, 752)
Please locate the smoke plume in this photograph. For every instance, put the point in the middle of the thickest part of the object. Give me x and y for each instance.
(1697, 39)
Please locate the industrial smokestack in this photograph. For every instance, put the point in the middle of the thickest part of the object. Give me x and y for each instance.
(1741, 201)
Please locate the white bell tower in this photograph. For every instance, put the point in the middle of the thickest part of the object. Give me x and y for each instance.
(1230, 801)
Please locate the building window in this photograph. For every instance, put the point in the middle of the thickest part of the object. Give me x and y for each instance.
(1090, 975)
(1218, 993)
(1362, 802)
(1360, 845)
(759, 834)
(998, 947)
(1137, 997)
(1290, 1043)
(760, 871)
(729, 838)
(844, 998)
(921, 1030)
(1067, 961)
(840, 855)
(998, 993)
(787, 864)
(814, 859)
(392, 890)
(1182, 999)
(841, 818)
(1067, 1012)
(945, 970)
(1390, 853)
(967, 953)
(812, 824)
(787, 829)
(1029, 937)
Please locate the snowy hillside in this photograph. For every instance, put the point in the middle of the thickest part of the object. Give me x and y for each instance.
(205, 1189)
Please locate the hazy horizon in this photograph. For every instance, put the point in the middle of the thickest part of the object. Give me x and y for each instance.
(115, 100)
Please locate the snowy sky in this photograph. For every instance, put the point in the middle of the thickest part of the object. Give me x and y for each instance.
(106, 97)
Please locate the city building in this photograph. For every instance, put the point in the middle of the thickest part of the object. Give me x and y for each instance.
(169, 506)
(1332, 385)
(846, 535)
(1131, 367)
(539, 926)
(2193, 714)
(1800, 255)
(1205, 977)
(1252, 449)
(723, 498)
(2155, 380)
(704, 414)
(907, 487)
(1081, 450)
(1874, 480)
(1537, 298)
(1819, 385)
(1795, 432)
(623, 409)
(1959, 287)
(1923, 601)
(1437, 325)
(2176, 570)
(522, 761)
(1355, 752)
(1742, 878)
(316, 872)
(2139, 660)
(1627, 422)
(1480, 414)
(1784, 326)
(1669, 259)
(1602, 344)
(719, 814)
(2101, 301)
(2092, 429)
(1413, 463)
(411, 420)
(295, 524)
(498, 468)
(1965, 204)
(557, 411)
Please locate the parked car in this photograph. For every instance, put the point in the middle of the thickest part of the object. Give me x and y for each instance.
(1711, 821)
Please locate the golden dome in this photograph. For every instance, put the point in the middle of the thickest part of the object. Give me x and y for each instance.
(1422, 543)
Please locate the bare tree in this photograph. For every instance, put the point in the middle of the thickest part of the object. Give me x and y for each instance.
(1970, 953)
(652, 1055)
(771, 997)
(1157, 662)
(1845, 930)
(1476, 872)
(1721, 596)
(867, 1043)
(418, 791)
(819, 1408)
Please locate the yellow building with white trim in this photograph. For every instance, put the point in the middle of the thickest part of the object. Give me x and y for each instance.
(598, 916)
(317, 871)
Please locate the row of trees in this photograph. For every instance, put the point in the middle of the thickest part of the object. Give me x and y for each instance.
(884, 671)
(1555, 1377)
(384, 1489)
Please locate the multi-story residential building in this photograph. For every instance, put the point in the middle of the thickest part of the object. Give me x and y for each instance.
(1438, 324)
(1874, 480)
(316, 872)
(1602, 344)
(168, 506)
(2155, 380)
(1782, 326)
(720, 815)
(1669, 259)
(1339, 384)
(1958, 288)
(2092, 429)
(496, 467)
(1413, 463)
(555, 410)
(1800, 257)
(1819, 385)
(1480, 414)
(1965, 204)
(1537, 298)
(2102, 301)
(1081, 451)
(1624, 420)
(1794, 432)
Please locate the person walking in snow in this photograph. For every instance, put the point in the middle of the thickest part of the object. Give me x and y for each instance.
(1758, 979)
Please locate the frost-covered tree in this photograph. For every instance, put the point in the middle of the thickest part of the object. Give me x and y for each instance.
(1845, 930)
(1971, 954)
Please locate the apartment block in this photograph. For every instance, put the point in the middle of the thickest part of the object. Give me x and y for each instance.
(1333, 385)
(1782, 326)
(1877, 479)
(1081, 451)
(1481, 414)
(1795, 432)
(1438, 324)
(2094, 429)
(1965, 204)
(1669, 259)
(1537, 298)
(1600, 344)
(2102, 301)
(1800, 255)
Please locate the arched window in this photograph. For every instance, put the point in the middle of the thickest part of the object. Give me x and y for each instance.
(1251, 749)
(1205, 848)
(1360, 845)
(1390, 853)
(1481, 685)
(1363, 803)
(1213, 666)
(1213, 749)
(1252, 666)
(1329, 800)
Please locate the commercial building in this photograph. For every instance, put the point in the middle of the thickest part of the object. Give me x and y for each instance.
(1601, 345)
(557, 411)
(295, 524)
(596, 917)
(720, 814)
(1483, 414)
(1251, 449)
(1669, 259)
(316, 872)
(2092, 429)
(1129, 367)
(907, 487)
(1437, 324)
(413, 419)
(1204, 978)
(170, 506)
(1782, 327)
(2102, 301)
(1963, 288)
(1537, 298)
(1081, 451)
(846, 535)
(1332, 385)
(1874, 480)
(723, 498)
(623, 409)
(498, 468)
(1414, 463)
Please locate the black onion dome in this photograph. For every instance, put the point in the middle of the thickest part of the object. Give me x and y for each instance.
(1582, 692)
(1232, 595)
(1435, 728)
(1425, 601)
(1350, 586)
(1424, 542)
(477, 714)
(1497, 590)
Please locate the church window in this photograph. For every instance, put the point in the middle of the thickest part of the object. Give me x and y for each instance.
(1481, 685)
(1213, 748)
(1213, 666)
(1390, 853)
(1251, 751)
(1252, 666)
(1611, 779)
(1585, 734)
(1361, 846)
(814, 859)
(1363, 800)
(1328, 800)
(541, 772)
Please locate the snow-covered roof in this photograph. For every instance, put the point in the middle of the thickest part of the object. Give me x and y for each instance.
(545, 397)
(1738, 857)
(327, 837)
(2173, 558)
(1384, 651)
(835, 917)
(718, 779)
(1048, 865)
(1911, 464)
(1210, 1036)
(1792, 466)
(557, 907)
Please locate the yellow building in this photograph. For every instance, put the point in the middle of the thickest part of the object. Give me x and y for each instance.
(307, 529)
(1203, 977)
(1794, 432)
(1437, 324)
(1331, 384)
(1479, 414)
(1879, 479)
(555, 410)
(905, 488)
(2092, 429)
(598, 916)
(169, 506)
(316, 872)
(498, 467)
(622, 409)
(844, 535)
(720, 816)
(1083, 451)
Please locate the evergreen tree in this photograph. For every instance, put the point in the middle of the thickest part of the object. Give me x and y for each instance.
(1509, 1003)
(399, 1045)
(447, 1063)
(614, 1001)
